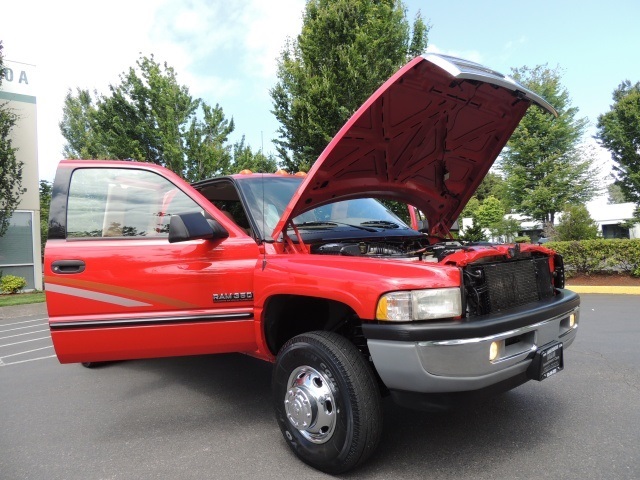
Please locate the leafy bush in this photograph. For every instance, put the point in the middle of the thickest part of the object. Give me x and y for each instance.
(523, 239)
(596, 256)
(12, 284)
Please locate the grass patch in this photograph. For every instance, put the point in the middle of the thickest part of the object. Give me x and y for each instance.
(21, 299)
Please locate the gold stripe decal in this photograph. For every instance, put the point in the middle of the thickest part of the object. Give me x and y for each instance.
(100, 297)
(117, 291)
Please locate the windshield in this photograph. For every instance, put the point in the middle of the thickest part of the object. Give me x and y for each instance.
(272, 195)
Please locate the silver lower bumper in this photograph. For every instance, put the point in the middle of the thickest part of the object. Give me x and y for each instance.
(459, 365)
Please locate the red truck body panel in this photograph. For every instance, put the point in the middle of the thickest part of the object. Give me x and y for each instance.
(427, 137)
(314, 274)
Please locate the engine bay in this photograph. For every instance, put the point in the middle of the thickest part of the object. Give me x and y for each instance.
(410, 248)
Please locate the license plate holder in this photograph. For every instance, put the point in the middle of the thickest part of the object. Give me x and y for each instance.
(547, 361)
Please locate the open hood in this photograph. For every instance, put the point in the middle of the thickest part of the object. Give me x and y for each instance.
(426, 137)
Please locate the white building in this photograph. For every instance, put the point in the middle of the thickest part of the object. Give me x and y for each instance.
(608, 217)
(20, 249)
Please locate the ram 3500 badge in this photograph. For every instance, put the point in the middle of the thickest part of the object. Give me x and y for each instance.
(313, 274)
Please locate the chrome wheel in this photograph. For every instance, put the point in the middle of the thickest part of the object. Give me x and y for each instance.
(327, 401)
(310, 405)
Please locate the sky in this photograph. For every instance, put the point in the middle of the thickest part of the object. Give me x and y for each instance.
(226, 51)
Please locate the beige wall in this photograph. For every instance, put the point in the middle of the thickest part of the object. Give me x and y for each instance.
(24, 138)
(18, 92)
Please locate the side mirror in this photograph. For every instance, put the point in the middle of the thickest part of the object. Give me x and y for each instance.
(193, 226)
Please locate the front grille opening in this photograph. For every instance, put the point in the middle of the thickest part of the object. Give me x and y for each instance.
(512, 341)
(495, 287)
(519, 344)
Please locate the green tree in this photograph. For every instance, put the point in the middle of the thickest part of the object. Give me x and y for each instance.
(207, 154)
(633, 221)
(10, 167)
(576, 224)
(619, 132)
(492, 186)
(509, 229)
(245, 158)
(474, 233)
(345, 51)
(78, 126)
(544, 165)
(615, 194)
(490, 214)
(45, 202)
(148, 116)
(470, 208)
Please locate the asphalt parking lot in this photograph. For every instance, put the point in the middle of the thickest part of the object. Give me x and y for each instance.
(25, 338)
(211, 416)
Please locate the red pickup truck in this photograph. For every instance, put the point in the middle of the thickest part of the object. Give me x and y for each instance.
(313, 274)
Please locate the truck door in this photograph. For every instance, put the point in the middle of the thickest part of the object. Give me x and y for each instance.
(117, 289)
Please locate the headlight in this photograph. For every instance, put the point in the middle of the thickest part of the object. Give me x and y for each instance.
(419, 305)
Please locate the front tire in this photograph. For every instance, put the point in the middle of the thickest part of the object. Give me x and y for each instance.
(327, 401)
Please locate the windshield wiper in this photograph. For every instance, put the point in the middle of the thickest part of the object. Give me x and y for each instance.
(381, 224)
(333, 224)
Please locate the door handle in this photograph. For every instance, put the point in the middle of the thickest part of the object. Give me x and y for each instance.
(68, 266)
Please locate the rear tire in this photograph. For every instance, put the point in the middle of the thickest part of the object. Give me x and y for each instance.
(92, 364)
(327, 401)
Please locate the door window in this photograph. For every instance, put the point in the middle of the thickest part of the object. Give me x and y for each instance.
(114, 202)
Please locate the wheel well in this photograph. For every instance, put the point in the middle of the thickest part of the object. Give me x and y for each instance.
(289, 315)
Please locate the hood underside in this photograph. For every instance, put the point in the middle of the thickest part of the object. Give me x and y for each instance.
(427, 137)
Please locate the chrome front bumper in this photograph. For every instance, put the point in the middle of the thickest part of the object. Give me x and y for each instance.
(443, 365)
